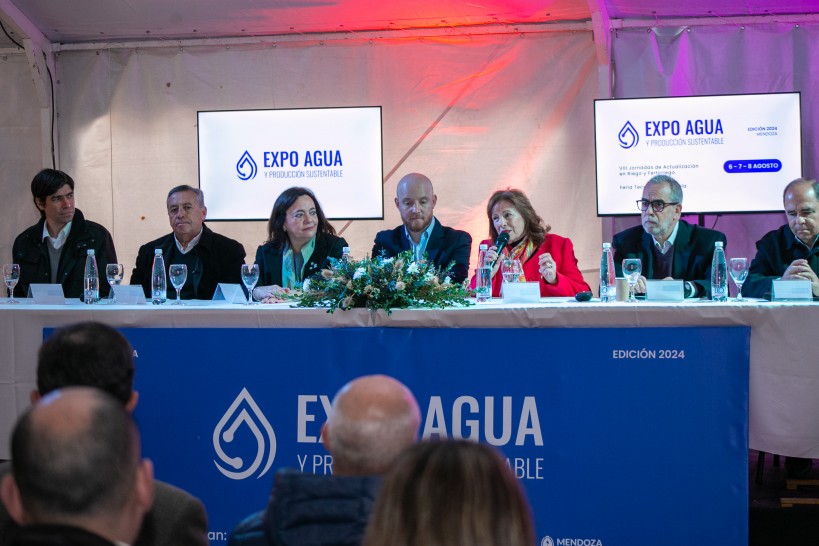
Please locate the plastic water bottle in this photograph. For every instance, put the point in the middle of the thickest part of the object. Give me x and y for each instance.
(159, 283)
(719, 274)
(91, 289)
(483, 277)
(608, 286)
(345, 254)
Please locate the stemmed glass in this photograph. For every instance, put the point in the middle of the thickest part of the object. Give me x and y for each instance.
(632, 267)
(11, 274)
(178, 274)
(114, 273)
(250, 276)
(739, 272)
(511, 270)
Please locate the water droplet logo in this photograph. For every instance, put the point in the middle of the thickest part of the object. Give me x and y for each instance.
(547, 541)
(246, 167)
(628, 136)
(225, 431)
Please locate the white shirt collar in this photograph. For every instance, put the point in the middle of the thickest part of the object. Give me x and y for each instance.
(58, 241)
(190, 246)
(663, 248)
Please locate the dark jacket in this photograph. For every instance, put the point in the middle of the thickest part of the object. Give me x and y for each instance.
(445, 245)
(176, 518)
(774, 254)
(221, 261)
(311, 509)
(693, 252)
(269, 258)
(55, 535)
(31, 252)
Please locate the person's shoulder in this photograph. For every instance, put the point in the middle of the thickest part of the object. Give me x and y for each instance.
(30, 235)
(389, 236)
(450, 232)
(628, 235)
(222, 240)
(778, 234)
(156, 243)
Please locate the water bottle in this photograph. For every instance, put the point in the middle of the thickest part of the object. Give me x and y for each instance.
(159, 283)
(91, 290)
(719, 274)
(483, 277)
(345, 254)
(608, 286)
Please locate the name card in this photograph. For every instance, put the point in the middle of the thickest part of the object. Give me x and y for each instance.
(792, 290)
(128, 294)
(521, 292)
(46, 294)
(230, 293)
(658, 290)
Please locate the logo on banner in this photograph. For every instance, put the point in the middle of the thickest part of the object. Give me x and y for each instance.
(547, 541)
(628, 136)
(246, 168)
(244, 411)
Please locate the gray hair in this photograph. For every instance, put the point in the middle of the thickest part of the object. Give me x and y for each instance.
(200, 195)
(676, 189)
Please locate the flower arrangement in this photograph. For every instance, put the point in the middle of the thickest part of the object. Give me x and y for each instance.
(381, 283)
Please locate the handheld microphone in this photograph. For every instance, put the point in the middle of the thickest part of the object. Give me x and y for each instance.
(500, 242)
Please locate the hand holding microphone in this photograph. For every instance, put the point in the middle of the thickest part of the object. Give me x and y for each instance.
(500, 242)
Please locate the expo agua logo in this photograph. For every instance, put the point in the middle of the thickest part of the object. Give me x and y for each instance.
(244, 411)
(628, 136)
(246, 168)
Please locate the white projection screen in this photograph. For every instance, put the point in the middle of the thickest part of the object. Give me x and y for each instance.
(248, 157)
(730, 153)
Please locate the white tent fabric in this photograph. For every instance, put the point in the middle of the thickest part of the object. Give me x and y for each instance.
(473, 113)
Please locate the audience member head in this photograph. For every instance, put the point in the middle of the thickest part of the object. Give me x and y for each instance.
(76, 461)
(87, 354)
(661, 206)
(186, 212)
(296, 218)
(53, 194)
(415, 199)
(450, 493)
(373, 419)
(511, 211)
(801, 198)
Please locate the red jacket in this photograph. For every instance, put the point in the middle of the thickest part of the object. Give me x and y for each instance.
(569, 279)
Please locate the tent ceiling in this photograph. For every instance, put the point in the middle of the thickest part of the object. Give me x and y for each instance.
(114, 20)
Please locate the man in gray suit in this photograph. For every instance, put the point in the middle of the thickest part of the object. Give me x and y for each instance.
(95, 355)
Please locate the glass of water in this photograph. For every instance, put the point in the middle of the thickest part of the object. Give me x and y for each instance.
(11, 274)
(250, 276)
(178, 274)
(114, 273)
(738, 268)
(511, 270)
(632, 267)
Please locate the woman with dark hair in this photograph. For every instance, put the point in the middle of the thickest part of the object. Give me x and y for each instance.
(300, 241)
(546, 258)
(450, 493)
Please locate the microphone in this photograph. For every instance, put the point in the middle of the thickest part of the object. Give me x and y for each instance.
(500, 242)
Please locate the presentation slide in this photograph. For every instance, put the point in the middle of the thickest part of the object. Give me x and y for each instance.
(730, 153)
(248, 157)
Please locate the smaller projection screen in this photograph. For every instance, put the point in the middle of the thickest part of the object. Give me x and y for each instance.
(730, 153)
(248, 157)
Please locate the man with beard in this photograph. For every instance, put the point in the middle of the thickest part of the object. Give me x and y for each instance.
(669, 248)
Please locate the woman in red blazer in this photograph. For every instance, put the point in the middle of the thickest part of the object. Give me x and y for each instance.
(547, 258)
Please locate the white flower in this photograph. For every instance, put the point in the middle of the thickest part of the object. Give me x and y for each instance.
(306, 285)
(358, 273)
(388, 260)
(447, 280)
(413, 268)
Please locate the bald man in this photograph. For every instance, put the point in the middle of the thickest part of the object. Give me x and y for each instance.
(373, 419)
(422, 233)
(77, 476)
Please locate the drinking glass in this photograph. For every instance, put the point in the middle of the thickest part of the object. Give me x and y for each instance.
(739, 272)
(178, 274)
(11, 274)
(511, 270)
(114, 273)
(632, 267)
(250, 276)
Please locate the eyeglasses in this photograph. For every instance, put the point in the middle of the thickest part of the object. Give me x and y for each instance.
(656, 206)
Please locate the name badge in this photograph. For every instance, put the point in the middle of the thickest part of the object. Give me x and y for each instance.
(657, 290)
(129, 294)
(230, 293)
(792, 290)
(521, 292)
(47, 294)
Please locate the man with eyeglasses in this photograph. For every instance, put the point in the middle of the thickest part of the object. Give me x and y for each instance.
(669, 248)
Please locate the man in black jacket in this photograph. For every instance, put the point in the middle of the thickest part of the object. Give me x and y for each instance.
(373, 419)
(211, 258)
(422, 233)
(53, 250)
